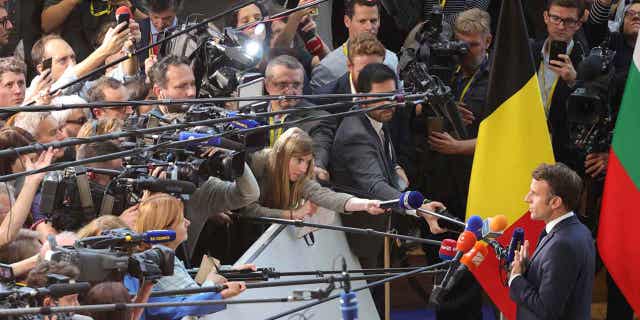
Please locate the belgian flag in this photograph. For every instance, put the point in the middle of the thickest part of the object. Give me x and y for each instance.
(512, 141)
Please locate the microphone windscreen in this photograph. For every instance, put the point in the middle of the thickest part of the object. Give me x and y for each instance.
(123, 10)
(447, 249)
(474, 224)
(589, 68)
(476, 256)
(466, 241)
(413, 199)
(58, 290)
(498, 223)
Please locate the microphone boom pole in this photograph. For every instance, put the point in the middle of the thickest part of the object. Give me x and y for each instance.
(369, 232)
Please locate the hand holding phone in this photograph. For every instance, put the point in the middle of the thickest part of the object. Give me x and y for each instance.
(557, 48)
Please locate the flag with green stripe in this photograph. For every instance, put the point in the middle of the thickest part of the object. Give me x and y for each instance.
(620, 216)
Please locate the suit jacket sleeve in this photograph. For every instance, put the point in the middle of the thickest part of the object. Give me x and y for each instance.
(325, 197)
(361, 160)
(320, 76)
(322, 134)
(218, 195)
(556, 284)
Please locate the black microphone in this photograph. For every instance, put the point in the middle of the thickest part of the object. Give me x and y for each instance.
(590, 67)
(161, 185)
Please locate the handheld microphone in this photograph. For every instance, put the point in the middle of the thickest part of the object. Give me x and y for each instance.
(469, 262)
(447, 249)
(492, 228)
(161, 185)
(409, 200)
(474, 224)
(517, 240)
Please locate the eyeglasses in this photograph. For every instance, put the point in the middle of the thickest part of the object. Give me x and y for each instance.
(632, 14)
(284, 85)
(4, 21)
(568, 22)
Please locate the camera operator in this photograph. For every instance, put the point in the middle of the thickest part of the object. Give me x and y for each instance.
(162, 211)
(162, 17)
(39, 277)
(557, 78)
(173, 78)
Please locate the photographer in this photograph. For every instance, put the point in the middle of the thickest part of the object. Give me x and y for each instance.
(173, 78)
(557, 77)
(107, 89)
(162, 211)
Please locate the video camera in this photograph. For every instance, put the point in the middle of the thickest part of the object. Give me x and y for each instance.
(220, 60)
(110, 256)
(589, 107)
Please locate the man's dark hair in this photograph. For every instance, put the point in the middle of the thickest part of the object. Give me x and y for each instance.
(95, 149)
(577, 4)
(350, 6)
(161, 5)
(231, 20)
(374, 73)
(108, 293)
(563, 182)
(38, 276)
(96, 92)
(159, 70)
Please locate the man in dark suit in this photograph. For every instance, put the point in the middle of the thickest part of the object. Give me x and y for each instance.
(363, 157)
(557, 281)
(162, 16)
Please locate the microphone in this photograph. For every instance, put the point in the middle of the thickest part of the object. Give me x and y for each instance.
(469, 262)
(213, 142)
(409, 200)
(466, 241)
(447, 249)
(161, 185)
(517, 239)
(474, 224)
(590, 67)
(492, 228)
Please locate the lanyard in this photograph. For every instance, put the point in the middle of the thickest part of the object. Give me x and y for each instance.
(274, 134)
(466, 87)
(345, 50)
(442, 3)
(547, 103)
(99, 13)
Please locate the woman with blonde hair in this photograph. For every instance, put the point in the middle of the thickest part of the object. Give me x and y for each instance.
(161, 211)
(99, 224)
(287, 187)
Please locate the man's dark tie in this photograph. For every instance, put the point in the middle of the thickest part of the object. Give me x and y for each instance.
(542, 235)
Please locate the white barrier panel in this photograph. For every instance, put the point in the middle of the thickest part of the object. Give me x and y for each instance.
(280, 247)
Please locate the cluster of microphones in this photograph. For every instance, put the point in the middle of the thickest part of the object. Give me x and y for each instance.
(470, 250)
